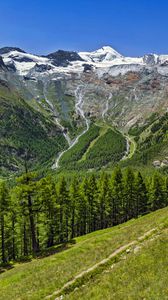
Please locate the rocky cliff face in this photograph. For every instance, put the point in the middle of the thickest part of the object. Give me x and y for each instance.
(2, 65)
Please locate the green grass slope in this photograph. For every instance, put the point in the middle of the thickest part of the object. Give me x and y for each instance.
(142, 275)
(44, 276)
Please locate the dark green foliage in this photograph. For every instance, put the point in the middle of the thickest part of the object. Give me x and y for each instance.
(64, 213)
(129, 195)
(75, 154)
(109, 147)
(152, 145)
(26, 135)
(156, 193)
(162, 123)
(136, 130)
(117, 199)
(4, 207)
(141, 197)
(104, 201)
(38, 213)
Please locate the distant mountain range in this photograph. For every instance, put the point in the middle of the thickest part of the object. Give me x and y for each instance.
(103, 60)
(49, 101)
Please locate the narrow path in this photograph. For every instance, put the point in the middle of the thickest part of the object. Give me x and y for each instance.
(103, 262)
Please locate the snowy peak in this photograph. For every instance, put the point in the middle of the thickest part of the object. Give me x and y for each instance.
(20, 61)
(104, 54)
(108, 50)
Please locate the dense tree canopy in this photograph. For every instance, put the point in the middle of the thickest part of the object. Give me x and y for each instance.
(38, 213)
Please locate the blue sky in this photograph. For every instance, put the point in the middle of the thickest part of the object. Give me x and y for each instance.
(133, 27)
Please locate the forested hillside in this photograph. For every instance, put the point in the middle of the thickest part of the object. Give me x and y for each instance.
(38, 213)
(26, 136)
(99, 146)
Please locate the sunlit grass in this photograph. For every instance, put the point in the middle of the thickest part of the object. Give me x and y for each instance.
(143, 275)
(36, 279)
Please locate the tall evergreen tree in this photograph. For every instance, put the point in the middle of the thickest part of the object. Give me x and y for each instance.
(3, 213)
(64, 214)
(30, 206)
(156, 193)
(141, 199)
(116, 203)
(74, 194)
(104, 198)
(82, 209)
(92, 199)
(50, 208)
(129, 195)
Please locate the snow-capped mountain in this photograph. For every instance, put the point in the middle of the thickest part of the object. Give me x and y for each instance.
(102, 61)
(101, 55)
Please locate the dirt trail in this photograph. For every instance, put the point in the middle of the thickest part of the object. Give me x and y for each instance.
(102, 262)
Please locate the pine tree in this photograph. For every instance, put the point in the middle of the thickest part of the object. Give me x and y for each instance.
(103, 200)
(141, 199)
(30, 206)
(64, 214)
(50, 209)
(82, 209)
(92, 199)
(74, 200)
(116, 203)
(3, 213)
(129, 195)
(156, 194)
(14, 225)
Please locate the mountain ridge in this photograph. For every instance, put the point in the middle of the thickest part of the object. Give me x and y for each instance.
(73, 92)
(103, 57)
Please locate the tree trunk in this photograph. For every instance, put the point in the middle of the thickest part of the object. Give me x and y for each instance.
(61, 233)
(73, 224)
(13, 238)
(3, 238)
(25, 248)
(35, 247)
